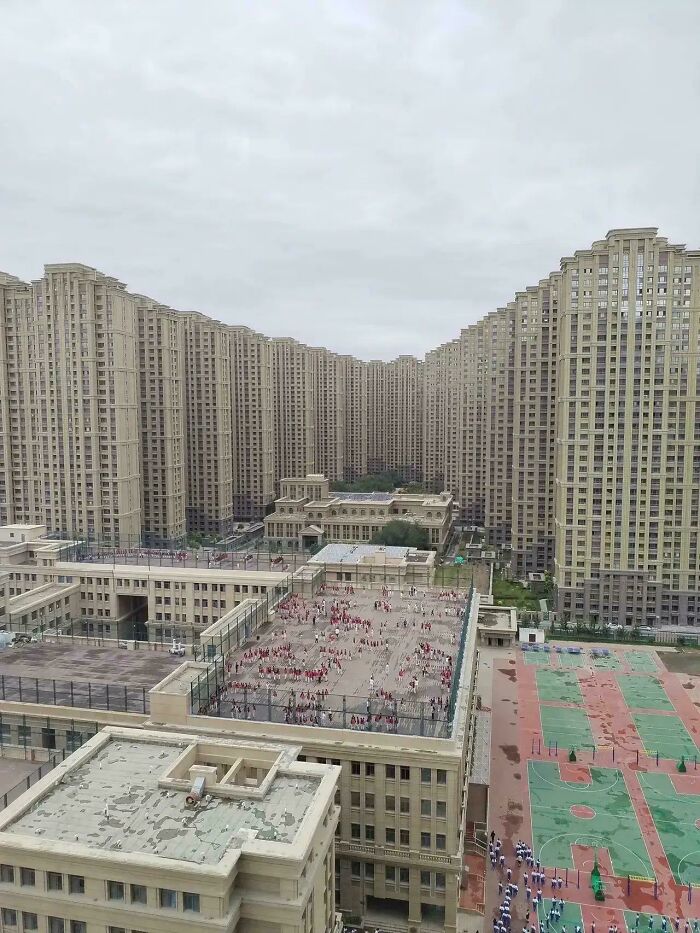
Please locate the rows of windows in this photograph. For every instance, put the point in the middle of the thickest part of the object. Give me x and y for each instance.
(114, 890)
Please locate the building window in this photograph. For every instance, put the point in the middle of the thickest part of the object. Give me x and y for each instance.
(7, 874)
(78, 926)
(369, 769)
(9, 917)
(405, 773)
(439, 881)
(118, 930)
(138, 894)
(76, 884)
(403, 876)
(441, 776)
(355, 767)
(425, 807)
(390, 772)
(190, 902)
(30, 921)
(56, 925)
(425, 840)
(404, 804)
(54, 881)
(426, 775)
(369, 833)
(390, 836)
(115, 891)
(355, 830)
(369, 801)
(354, 798)
(440, 841)
(390, 874)
(403, 837)
(168, 898)
(27, 877)
(425, 879)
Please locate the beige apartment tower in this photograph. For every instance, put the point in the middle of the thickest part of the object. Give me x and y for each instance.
(71, 404)
(565, 423)
(628, 432)
(163, 423)
(209, 427)
(253, 423)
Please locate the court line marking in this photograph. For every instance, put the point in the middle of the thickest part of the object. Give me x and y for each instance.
(593, 836)
(589, 788)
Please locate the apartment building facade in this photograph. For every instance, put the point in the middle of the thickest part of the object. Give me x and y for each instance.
(153, 831)
(308, 514)
(627, 466)
(496, 416)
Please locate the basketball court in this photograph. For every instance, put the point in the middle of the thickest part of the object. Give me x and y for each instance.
(597, 759)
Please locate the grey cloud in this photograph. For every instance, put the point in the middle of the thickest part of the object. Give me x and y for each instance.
(369, 176)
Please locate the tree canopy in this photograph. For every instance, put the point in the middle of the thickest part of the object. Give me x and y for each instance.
(403, 534)
(371, 482)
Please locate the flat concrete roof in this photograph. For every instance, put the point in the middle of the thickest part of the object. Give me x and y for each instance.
(40, 595)
(78, 662)
(111, 800)
(357, 553)
(418, 638)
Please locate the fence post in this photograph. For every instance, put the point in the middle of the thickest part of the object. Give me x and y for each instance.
(54, 692)
(2, 679)
(20, 688)
(107, 694)
(345, 712)
(89, 695)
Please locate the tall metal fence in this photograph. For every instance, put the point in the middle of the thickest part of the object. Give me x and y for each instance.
(9, 796)
(454, 690)
(251, 555)
(77, 693)
(243, 627)
(210, 693)
(330, 711)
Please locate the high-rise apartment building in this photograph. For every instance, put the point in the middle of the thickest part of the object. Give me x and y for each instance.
(566, 423)
(355, 436)
(395, 401)
(628, 432)
(209, 427)
(163, 422)
(253, 423)
(293, 392)
(328, 412)
(534, 425)
(71, 404)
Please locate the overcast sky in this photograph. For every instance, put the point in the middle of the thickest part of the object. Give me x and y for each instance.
(368, 176)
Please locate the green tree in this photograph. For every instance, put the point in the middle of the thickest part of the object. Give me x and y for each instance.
(371, 482)
(402, 534)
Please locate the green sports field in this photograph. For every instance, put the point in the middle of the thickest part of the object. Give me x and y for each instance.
(611, 663)
(557, 686)
(608, 820)
(664, 734)
(676, 819)
(571, 915)
(567, 728)
(643, 661)
(644, 692)
(536, 657)
(570, 660)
